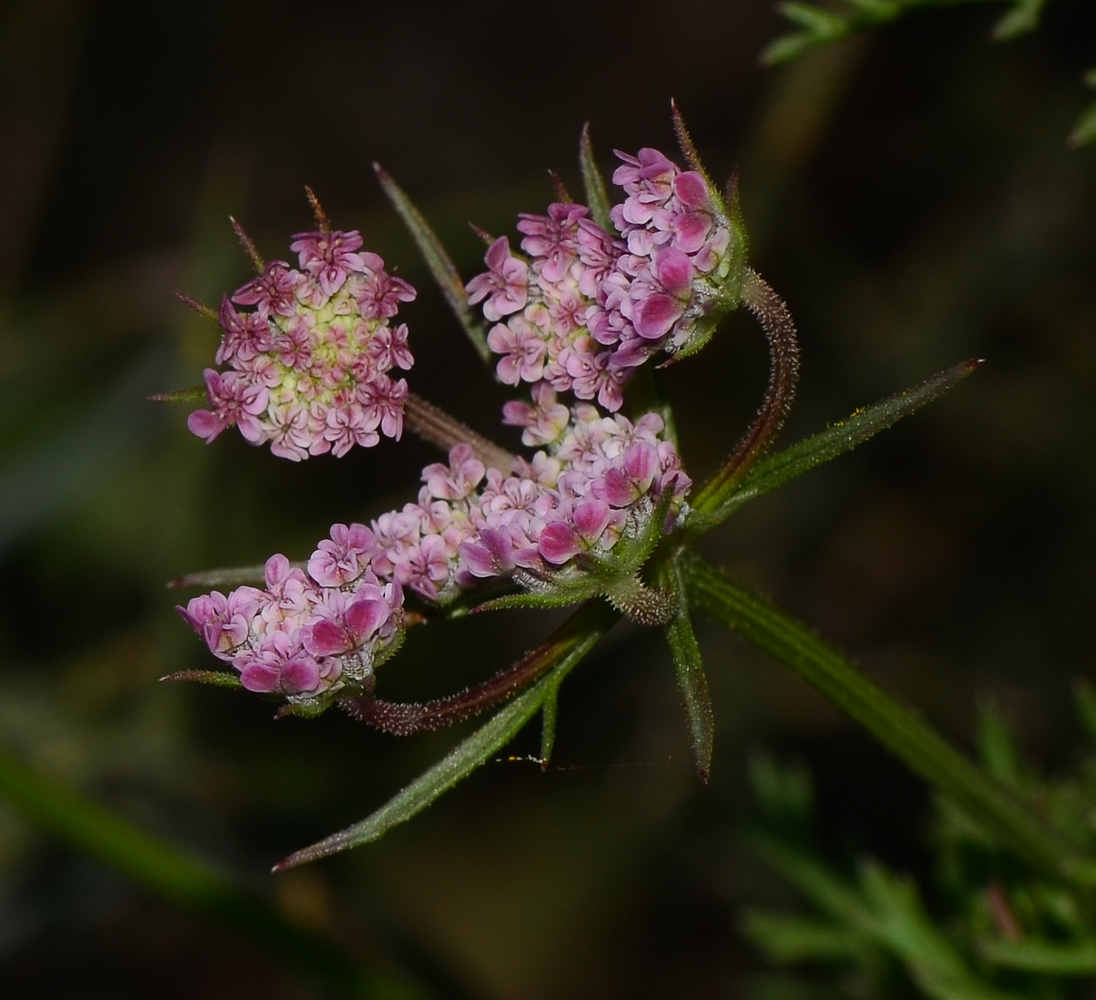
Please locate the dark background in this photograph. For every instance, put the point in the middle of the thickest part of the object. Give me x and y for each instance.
(912, 197)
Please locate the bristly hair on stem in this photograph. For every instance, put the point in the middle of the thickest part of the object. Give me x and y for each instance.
(685, 141)
(776, 320)
(249, 247)
(207, 312)
(407, 718)
(433, 424)
(323, 223)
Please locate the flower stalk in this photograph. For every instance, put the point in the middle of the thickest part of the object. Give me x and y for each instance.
(776, 320)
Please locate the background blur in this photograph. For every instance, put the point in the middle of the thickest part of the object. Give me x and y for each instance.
(910, 194)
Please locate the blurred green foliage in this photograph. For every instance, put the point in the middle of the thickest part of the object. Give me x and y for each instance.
(908, 192)
(987, 926)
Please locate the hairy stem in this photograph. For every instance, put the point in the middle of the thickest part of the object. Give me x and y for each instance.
(406, 718)
(775, 319)
(436, 426)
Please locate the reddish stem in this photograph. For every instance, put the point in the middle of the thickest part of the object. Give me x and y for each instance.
(433, 424)
(406, 718)
(776, 320)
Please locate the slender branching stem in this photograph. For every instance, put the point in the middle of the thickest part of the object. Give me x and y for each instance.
(436, 426)
(406, 718)
(775, 319)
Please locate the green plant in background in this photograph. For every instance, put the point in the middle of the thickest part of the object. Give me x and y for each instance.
(820, 25)
(988, 926)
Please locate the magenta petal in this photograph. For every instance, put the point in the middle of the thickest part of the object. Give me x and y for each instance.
(655, 315)
(591, 518)
(675, 270)
(616, 489)
(477, 559)
(692, 190)
(204, 424)
(558, 543)
(300, 676)
(363, 618)
(260, 677)
(641, 463)
(326, 638)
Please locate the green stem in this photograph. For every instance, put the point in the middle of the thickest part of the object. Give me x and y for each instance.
(187, 882)
(895, 726)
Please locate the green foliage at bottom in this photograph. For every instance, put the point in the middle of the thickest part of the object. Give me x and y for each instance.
(988, 925)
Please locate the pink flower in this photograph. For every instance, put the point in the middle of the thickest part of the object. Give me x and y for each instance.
(307, 365)
(427, 569)
(348, 622)
(281, 666)
(559, 543)
(343, 557)
(273, 292)
(491, 555)
(382, 402)
(523, 348)
(505, 286)
(543, 421)
(235, 399)
(457, 480)
(593, 377)
(329, 257)
(553, 238)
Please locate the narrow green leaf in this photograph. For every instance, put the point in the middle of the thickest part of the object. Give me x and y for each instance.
(785, 48)
(1085, 696)
(555, 595)
(787, 939)
(1023, 17)
(1084, 131)
(186, 881)
(597, 194)
(823, 25)
(884, 911)
(691, 681)
(216, 678)
(903, 926)
(876, 11)
(997, 748)
(195, 394)
(1048, 957)
(895, 726)
(549, 711)
(829, 893)
(567, 646)
(785, 465)
(438, 261)
(232, 576)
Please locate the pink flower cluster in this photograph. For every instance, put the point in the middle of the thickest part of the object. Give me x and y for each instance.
(307, 634)
(308, 364)
(584, 307)
(314, 633)
(596, 478)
